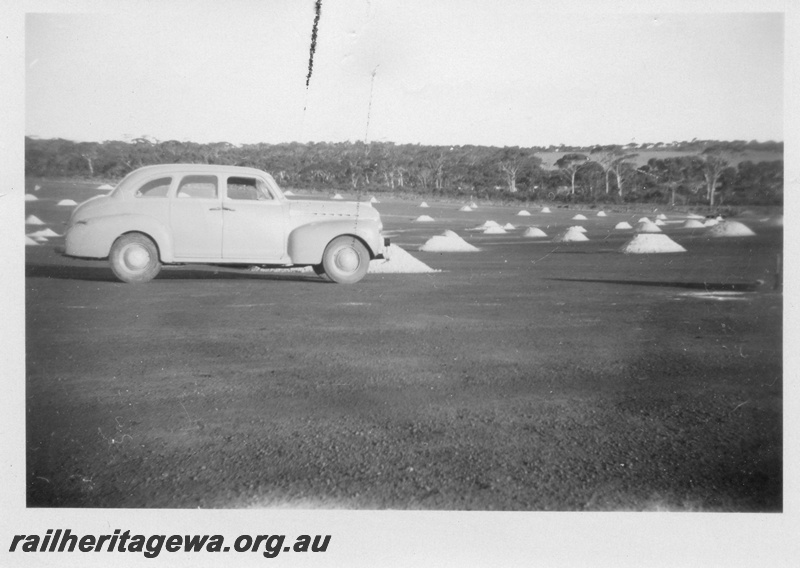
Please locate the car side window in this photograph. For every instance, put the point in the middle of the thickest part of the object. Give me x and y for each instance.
(198, 187)
(154, 188)
(247, 189)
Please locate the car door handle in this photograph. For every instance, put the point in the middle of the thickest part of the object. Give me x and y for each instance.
(215, 209)
(228, 209)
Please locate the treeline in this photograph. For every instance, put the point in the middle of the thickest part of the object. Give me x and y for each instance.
(600, 174)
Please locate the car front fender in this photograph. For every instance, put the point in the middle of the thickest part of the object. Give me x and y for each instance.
(93, 238)
(307, 242)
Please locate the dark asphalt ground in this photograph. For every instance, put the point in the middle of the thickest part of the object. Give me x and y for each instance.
(528, 376)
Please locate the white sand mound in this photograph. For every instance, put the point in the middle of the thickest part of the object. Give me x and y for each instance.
(730, 229)
(424, 219)
(423, 204)
(661, 216)
(623, 225)
(524, 213)
(644, 220)
(534, 232)
(466, 208)
(447, 242)
(660, 222)
(601, 213)
(710, 222)
(373, 200)
(29, 242)
(545, 210)
(338, 196)
(44, 233)
(579, 217)
(693, 224)
(645, 244)
(33, 220)
(509, 227)
(578, 228)
(570, 235)
(473, 205)
(31, 197)
(67, 202)
(486, 225)
(37, 187)
(106, 187)
(647, 227)
(288, 192)
(494, 231)
(398, 261)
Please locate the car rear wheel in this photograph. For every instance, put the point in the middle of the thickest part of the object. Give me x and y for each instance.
(134, 258)
(345, 260)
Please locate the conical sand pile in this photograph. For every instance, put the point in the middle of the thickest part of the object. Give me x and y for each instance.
(730, 229)
(29, 242)
(486, 225)
(601, 213)
(423, 204)
(30, 197)
(660, 222)
(693, 224)
(710, 222)
(66, 202)
(338, 196)
(373, 200)
(106, 187)
(545, 210)
(44, 233)
(661, 216)
(473, 205)
(524, 213)
(509, 227)
(398, 261)
(623, 225)
(534, 232)
(579, 228)
(288, 193)
(494, 231)
(466, 208)
(424, 219)
(570, 235)
(648, 243)
(644, 220)
(579, 217)
(33, 220)
(647, 226)
(447, 242)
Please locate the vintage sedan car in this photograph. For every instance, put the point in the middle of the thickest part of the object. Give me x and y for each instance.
(210, 214)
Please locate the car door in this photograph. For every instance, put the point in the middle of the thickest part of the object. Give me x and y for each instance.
(254, 221)
(196, 218)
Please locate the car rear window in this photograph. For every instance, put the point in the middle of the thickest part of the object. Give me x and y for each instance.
(198, 187)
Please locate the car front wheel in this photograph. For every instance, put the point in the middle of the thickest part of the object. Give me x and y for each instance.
(345, 260)
(134, 258)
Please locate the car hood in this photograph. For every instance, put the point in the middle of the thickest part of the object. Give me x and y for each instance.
(332, 209)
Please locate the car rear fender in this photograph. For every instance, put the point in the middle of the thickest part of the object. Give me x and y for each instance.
(307, 242)
(94, 237)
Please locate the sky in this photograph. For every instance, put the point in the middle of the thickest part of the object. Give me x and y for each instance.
(444, 72)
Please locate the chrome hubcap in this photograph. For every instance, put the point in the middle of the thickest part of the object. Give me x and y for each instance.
(135, 257)
(347, 260)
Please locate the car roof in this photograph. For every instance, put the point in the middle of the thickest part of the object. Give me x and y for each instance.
(195, 168)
